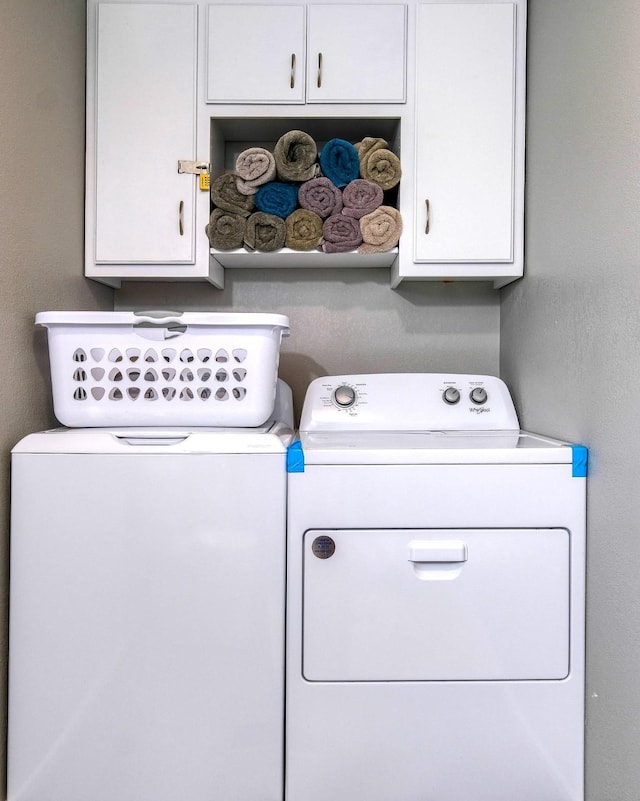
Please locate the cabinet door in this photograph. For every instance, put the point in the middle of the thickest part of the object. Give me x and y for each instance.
(255, 54)
(465, 78)
(144, 122)
(356, 53)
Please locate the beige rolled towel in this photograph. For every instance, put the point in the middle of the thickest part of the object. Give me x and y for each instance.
(255, 166)
(378, 163)
(381, 230)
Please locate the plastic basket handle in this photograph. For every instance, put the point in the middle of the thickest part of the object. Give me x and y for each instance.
(158, 317)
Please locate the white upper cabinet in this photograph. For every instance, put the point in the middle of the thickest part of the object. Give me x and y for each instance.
(342, 53)
(255, 54)
(141, 120)
(465, 146)
(356, 53)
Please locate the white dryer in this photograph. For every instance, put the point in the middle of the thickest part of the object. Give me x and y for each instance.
(147, 613)
(435, 596)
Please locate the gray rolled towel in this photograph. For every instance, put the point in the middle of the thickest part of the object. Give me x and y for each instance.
(303, 230)
(225, 195)
(296, 155)
(255, 166)
(380, 230)
(321, 196)
(361, 197)
(341, 234)
(378, 163)
(226, 230)
(264, 232)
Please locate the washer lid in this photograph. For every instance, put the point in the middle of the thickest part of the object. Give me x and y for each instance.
(271, 438)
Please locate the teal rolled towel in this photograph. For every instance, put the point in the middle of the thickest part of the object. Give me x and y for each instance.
(277, 198)
(340, 162)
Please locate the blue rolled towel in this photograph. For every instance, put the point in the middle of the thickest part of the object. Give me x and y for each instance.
(340, 162)
(276, 198)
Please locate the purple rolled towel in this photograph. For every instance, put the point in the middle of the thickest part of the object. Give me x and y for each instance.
(341, 234)
(361, 197)
(380, 230)
(320, 196)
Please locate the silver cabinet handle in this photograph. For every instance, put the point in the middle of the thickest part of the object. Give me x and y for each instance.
(319, 79)
(181, 217)
(292, 82)
(428, 218)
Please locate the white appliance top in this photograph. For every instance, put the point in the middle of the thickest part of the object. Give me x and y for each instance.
(417, 418)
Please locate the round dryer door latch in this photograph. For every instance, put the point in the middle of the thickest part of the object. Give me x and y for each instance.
(323, 547)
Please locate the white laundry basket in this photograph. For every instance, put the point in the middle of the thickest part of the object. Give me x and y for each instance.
(163, 368)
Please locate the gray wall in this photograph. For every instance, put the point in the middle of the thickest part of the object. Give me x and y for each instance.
(570, 332)
(350, 321)
(41, 222)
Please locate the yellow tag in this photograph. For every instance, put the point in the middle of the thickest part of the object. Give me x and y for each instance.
(205, 181)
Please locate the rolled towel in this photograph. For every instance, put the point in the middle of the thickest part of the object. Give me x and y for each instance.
(380, 230)
(296, 156)
(320, 196)
(303, 230)
(361, 197)
(264, 232)
(339, 162)
(341, 234)
(378, 163)
(226, 230)
(225, 195)
(254, 166)
(277, 198)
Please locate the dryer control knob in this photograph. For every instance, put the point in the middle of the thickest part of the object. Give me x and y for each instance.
(344, 396)
(451, 395)
(478, 395)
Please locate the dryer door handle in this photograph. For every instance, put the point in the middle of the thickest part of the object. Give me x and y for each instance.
(437, 551)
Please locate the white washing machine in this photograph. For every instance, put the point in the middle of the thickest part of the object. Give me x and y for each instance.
(435, 596)
(146, 656)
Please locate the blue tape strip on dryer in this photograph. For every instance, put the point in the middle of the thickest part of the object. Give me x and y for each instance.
(295, 458)
(580, 461)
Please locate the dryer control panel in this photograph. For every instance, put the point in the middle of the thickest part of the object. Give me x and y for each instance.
(408, 402)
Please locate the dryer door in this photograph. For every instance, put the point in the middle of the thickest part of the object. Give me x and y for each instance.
(436, 604)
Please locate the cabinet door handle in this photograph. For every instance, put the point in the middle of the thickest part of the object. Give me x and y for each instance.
(181, 217)
(292, 82)
(428, 217)
(319, 79)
